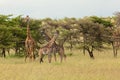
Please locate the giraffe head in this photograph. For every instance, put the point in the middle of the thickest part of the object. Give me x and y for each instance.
(42, 31)
(27, 19)
(56, 34)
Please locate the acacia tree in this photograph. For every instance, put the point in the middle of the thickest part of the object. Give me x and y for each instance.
(5, 34)
(93, 36)
(5, 39)
(116, 34)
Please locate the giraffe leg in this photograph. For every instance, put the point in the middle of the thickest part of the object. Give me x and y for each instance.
(54, 51)
(55, 57)
(116, 53)
(26, 54)
(26, 57)
(61, 56)
(33, 56)
(41, 55)
(64, 57)
(49, 58)
(41, 58)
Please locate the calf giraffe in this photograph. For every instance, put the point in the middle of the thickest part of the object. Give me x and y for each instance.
(48, 48)
(55, 48)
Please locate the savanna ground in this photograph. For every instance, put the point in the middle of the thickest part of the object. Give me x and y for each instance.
(76, 67)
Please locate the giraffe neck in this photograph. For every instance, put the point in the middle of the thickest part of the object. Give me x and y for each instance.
(52, 41)
(28, 31)
(48, 38)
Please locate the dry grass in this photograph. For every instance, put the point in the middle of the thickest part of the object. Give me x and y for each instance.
(76, 67)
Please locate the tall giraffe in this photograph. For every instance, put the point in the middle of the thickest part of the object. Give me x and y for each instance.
(48, 48)
(56, 48)
(29, 43)
(116, 41)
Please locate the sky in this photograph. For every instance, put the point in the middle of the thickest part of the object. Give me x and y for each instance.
(60, 8)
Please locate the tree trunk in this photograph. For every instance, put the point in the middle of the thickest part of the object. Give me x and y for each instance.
(90, 52)
(15, 50)
(71, 46)
(114, 50)
(3, 52)
(91, 55)
(84, 50)
(84, 39)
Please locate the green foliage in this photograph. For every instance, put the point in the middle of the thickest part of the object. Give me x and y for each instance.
(5, 37)
(4, 20)
(99, 20)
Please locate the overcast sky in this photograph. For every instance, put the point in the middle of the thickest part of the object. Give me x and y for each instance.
(59, 8)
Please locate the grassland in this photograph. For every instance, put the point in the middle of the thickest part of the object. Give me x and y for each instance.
(76, 67)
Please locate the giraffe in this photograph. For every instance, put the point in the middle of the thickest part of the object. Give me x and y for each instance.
(116, 41)
(29, 43)
(56, 47)
(48, 48)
